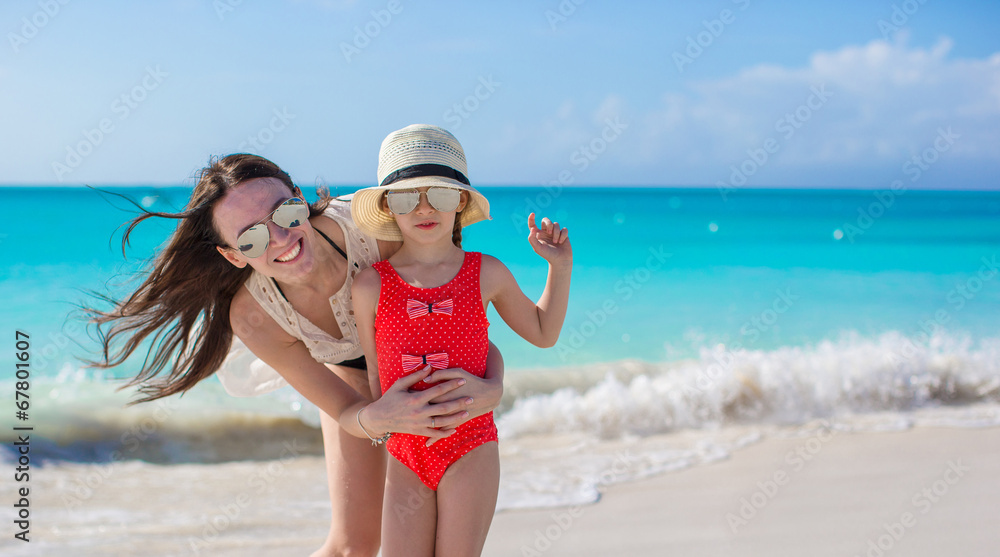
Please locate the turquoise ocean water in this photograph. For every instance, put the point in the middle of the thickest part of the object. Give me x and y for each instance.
(689, 310)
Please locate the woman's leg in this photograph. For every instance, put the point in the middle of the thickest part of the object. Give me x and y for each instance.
(467, 499)
(355, 472)
(409, 514)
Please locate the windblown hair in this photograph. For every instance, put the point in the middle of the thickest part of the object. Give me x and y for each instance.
(183, 304)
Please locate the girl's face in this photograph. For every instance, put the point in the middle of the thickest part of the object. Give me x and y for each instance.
(425, 224)
(290, 252)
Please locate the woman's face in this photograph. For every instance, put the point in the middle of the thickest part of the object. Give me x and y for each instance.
(290, 252)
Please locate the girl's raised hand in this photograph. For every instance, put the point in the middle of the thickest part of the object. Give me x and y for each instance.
(550, 241)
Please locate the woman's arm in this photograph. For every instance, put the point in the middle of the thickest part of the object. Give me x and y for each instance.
(406, 412)
(482, 394)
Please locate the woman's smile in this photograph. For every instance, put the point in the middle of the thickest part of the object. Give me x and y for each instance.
(291, 254)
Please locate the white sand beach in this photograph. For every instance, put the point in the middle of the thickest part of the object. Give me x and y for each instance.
(834, 503)
(920, 492)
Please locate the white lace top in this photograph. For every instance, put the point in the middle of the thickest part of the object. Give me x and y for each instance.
(243, 374)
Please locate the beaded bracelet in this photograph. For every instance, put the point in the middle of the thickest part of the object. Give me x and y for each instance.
(376, 441)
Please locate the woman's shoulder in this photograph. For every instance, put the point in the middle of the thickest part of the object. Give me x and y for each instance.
(333, 220)
(364, 247)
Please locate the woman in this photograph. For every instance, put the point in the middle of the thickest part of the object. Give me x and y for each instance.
(250, 257)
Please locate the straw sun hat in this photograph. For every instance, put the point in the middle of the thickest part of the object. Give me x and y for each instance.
(413, 157)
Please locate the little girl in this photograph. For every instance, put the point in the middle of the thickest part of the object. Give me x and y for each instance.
(426, 306)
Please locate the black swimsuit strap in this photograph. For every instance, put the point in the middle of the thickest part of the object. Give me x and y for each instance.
(335, 246)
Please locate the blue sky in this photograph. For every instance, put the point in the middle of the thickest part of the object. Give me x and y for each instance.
(609, 93)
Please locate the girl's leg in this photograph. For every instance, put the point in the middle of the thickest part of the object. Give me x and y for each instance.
(409, 514)
(467, 499)
(356, 475)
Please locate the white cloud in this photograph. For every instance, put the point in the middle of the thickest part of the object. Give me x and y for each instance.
(888, 101)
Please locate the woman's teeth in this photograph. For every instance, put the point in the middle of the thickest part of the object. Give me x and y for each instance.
(292, 253)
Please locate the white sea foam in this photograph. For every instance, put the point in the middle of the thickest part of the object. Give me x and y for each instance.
(791, 385)
(567, 432)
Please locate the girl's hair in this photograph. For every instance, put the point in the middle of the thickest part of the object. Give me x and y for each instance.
(183, 304)
(456, 231)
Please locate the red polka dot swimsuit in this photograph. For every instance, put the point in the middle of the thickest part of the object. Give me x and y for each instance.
(446, 327)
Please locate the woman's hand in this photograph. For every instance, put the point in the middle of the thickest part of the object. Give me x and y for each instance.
(401, 410)
(482, 395)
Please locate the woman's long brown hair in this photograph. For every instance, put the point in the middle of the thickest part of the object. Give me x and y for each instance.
(182, 306)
